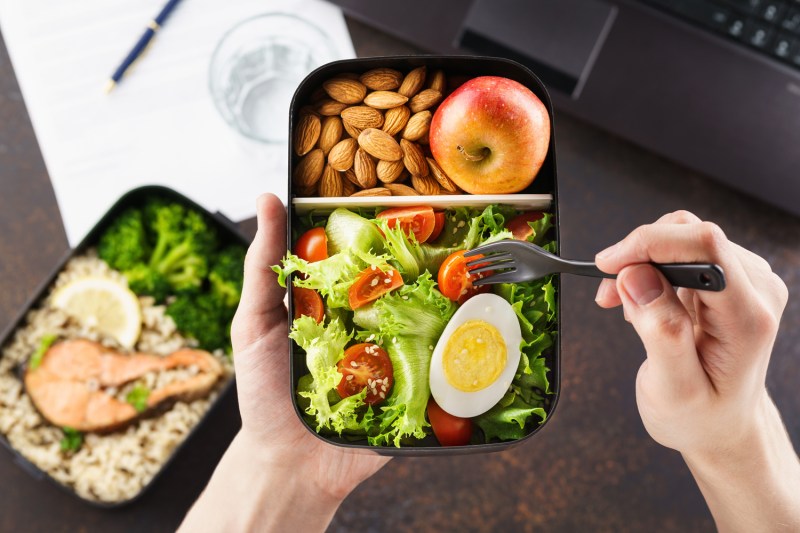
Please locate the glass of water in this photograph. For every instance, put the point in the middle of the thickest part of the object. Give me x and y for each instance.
(256, 68)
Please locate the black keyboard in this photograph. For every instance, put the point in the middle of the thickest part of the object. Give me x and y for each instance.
(771, 27)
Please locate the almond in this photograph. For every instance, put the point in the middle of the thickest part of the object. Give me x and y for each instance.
(389, 171)
(364, 167)
(380, 144)
(413, 82)
(418, 126)
(309, 170)
(363, 117)
(331, 133)
(425, 100)
(398, 189)
(438, 82)
(348, 188)
(382, 79)
(426, 185)
(330, 108)
(345, 90)
(385, 99)
(440, 176)
(331, 183)
(306, 134)
(396, 119)
(378, 191)
(350, 176)
(413, 158)
(342, 154)
(308, 191)
(351, 130)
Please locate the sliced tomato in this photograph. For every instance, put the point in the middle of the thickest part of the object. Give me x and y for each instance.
(371, 284)
(519, 224)
(307, 302)
(449, 430)
(312, 245)
(455, 281)
(418, 220)
(366, 365)
(438, 225)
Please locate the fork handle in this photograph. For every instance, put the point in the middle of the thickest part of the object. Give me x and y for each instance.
(701, 276)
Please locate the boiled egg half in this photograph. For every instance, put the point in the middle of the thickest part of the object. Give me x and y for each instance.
(476, 356)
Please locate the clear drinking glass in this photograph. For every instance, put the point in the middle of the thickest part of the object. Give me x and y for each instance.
(256, 68)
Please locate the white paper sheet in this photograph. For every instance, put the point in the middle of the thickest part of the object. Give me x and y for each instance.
(159, 126)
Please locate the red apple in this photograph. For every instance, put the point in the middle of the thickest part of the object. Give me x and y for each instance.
(491, 135)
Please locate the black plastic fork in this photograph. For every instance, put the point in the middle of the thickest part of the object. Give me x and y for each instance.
(512, 261)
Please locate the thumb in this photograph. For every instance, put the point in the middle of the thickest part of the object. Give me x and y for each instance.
(665, 327)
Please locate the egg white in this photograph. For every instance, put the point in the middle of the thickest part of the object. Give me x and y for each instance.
(498, 312)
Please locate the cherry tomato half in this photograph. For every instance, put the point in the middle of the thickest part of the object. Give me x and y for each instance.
(312, 245)
(455, 281)
(371, 284)
(438, 225)
(449, 430)
(519, 224)
(366, 365)
(307, 302)
(418, 220)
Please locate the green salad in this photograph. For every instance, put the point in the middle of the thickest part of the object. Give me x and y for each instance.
(398, 342)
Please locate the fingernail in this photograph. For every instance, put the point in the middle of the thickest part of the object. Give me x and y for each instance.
(642, 284)
(608, 252)
(602, 291)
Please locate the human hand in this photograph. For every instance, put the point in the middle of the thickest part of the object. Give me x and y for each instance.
(261, 356)
(702, 388)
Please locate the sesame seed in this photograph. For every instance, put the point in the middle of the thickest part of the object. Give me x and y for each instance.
(390, 272)
(405, 297)
(386, 380)
(461, 224)
(394, 340)
(387, 281)
(468, 274)
(453, 219)
(455, 230)
(382, 395)
(374, 282)
(374, 268)
(353, 364)
(349, 377)
(371, 337)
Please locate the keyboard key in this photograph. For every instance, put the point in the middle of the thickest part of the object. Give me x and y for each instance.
(706, 13)
(792, 21)
(772, 11)
(736, 27)
(784, 46)
(751, 7)
(757, 34)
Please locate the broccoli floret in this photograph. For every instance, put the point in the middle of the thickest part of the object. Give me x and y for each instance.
(124, 243)
(204, 318)
(144, 280)
(183, 242)
(227, 275)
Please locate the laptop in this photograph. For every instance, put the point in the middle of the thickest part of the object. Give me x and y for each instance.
(711, 84)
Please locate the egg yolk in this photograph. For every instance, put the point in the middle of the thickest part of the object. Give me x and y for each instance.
(474, 356)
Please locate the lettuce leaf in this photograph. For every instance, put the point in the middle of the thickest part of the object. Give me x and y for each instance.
(409, 322)
(347, 230)
(507, 419)
(462, 231)
(331, 277)
(324, 347)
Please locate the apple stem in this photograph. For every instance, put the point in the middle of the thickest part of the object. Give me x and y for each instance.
(474, 156)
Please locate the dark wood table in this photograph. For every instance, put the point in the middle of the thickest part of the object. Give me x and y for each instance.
(594, 468)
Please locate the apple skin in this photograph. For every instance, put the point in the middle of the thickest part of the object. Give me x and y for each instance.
(491, 136)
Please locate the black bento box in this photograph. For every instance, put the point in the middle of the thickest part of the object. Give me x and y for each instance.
(228, 233)
(545, 183)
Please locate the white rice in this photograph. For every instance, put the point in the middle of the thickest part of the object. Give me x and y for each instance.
(112, 467)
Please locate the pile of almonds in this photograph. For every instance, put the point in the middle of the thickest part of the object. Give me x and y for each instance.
(367, 135)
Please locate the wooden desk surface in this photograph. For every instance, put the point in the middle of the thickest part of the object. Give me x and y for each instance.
(593, 469)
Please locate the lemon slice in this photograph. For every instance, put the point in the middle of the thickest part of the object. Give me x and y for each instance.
(107, 305)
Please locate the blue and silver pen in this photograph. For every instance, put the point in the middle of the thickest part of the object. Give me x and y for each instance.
(141, 44)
